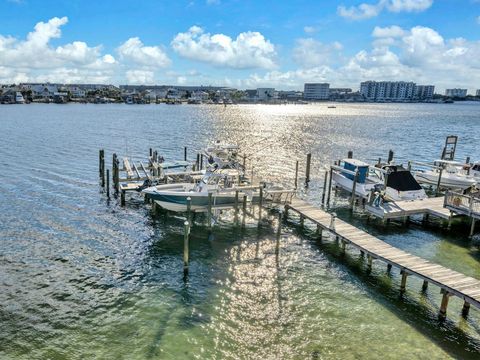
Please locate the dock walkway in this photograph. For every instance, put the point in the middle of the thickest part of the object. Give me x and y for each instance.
(450, 281)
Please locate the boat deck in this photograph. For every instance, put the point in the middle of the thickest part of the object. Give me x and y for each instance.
(451, 282)
(400, 209)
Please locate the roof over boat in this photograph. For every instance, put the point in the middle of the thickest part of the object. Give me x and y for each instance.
(449, 162)
(355, 162)
(402, 181)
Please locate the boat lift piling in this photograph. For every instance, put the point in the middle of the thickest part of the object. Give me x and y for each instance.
(390, 156)
(185, 153)
(307, 169)
(186, 245)
(296, 175)
(108, 184)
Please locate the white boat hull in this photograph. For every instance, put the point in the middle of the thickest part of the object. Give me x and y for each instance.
(361, 189)
(447, 181)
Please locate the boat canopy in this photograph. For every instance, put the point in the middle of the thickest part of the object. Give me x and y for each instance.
(402, 180)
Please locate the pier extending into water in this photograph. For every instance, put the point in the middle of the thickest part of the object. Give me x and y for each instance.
(451, 283)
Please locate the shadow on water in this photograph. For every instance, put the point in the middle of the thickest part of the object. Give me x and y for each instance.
(446, 334)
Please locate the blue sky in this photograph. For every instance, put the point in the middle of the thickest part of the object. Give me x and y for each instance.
(243, 44)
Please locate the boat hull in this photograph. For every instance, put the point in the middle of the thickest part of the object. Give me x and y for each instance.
(361, 189)
(447, 180)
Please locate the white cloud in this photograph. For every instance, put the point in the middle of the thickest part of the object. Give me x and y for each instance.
(393, 31)
(367, 11)
(408, 5)
(248, 50)
(34, 58)
(418, 54)
(360, 12)
(309, 29)
(134, 51)
(310, 53)
(140, 77)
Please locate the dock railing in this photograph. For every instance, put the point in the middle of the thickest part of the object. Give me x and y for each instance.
(464, 204)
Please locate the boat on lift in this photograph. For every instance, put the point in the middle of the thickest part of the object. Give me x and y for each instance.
(221, 184)
(454, 175)
(19, 98)
(345, 178)
(398, 183)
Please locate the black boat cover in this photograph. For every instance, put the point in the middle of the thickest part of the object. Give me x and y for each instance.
(402, 181)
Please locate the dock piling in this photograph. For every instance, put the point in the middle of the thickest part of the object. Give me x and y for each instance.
(329, 186)
(260, 202)
(437, 190)
(443, 306)
(279, 225)
(186, 236)
(296, 175)
(108, 184)
(244, 209)
(307, 169)
(403, 284)
(209, 210)
(236, 204)
(122, 198)
(390, 156)
(189, 208)
(425, 285)
(354, 188)
(185, 153)
(324, 187)
(350, 154)
(465, 309)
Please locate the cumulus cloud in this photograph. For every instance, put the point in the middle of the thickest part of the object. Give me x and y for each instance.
(140, 77)
(150, 56)
(310, 52)
(35, 59)
(248, 50)
(366, 11)
(419, 54)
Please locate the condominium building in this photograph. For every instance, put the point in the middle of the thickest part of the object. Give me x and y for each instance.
(316, 91)
(424, 92)
(265, 94)
(478, 92)
(387, 90)
(456, 92)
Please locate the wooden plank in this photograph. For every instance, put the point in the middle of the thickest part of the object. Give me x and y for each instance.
(127, 167)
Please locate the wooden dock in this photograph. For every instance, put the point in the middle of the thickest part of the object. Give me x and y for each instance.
(401, 209)
(450, 281)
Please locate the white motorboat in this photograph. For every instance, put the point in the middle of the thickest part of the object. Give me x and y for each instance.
(475, 171)
(19, 98)
(399, 183)
(365, 184)
(221, 184)
(454, 175)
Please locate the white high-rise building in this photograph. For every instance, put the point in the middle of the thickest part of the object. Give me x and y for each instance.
(423, 92)
(387, 90)
(316, 91)
(456, 92)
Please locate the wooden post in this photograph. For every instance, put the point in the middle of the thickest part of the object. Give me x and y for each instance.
(244, 209)
(350, 154)
(244, 161)
(329, 186)
(186, 236)
(450, 220)
(369, 262)
(319, 232)
(198, 162)
(307, 169)
(465, 309)
(296, 175)
(472, 227)
(425, 285)
(354, 189)
(390, 156)
(279, 225)
(343, 245)
(108, 184)
(100, 163)
(236, 203)
(151, 152)
(201, 161)
(379, 161)
(404, 281)
(189, 208)
(260, 202)
(389, 267)
(209, 210)
(324, 187)
(443, 306)
(122, 198)
(302, 220)
(117, 176)
(185, 153)
(437, 190)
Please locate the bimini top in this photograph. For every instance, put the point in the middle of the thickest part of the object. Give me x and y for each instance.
(355, 162)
